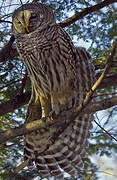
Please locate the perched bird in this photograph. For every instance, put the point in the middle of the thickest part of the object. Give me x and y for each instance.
(60, 74)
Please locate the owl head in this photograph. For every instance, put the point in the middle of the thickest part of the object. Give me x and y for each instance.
(32, 16)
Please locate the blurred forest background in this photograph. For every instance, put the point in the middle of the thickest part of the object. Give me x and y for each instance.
(95, 31)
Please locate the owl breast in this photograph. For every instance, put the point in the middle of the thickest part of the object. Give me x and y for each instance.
(47, 60)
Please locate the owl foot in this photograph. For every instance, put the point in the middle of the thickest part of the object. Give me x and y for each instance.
(52, 114)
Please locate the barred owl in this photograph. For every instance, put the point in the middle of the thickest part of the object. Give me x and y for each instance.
(60, 77)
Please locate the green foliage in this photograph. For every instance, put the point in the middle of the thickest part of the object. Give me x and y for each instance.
(98, 31)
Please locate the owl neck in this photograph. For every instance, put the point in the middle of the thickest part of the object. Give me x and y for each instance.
(41, 38)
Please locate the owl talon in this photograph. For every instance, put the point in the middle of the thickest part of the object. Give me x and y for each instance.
(52, 114)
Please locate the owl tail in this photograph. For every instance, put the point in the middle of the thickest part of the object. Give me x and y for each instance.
(66, 154)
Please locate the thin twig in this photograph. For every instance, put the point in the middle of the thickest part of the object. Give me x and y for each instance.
(21, 89)
(21, 166)
(10, 83)
(98, 171)
(112, 137)
(105, 94)
(4, 21)
(107, 173)
(9, 146)
(102, 65)
(21, 2)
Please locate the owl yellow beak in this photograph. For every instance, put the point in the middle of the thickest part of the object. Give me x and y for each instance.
(27, 29)
(26, 15)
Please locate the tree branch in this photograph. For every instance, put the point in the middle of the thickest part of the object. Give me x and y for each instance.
(102, 66)
(4, 21)
(85, 12)
(102, 105)
(14, 103)
(109, 81)
(10, 52)
(40, 124)
(21, 166)
(72, 114)
(20, 100)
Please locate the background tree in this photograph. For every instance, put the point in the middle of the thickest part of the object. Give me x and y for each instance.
(94, 25)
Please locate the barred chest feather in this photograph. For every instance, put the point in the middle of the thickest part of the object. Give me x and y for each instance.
(47, 56)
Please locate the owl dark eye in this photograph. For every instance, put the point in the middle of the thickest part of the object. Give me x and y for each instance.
(33, 16)
(19, 22)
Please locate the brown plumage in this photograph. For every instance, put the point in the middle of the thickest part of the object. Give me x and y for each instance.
(60, 76)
